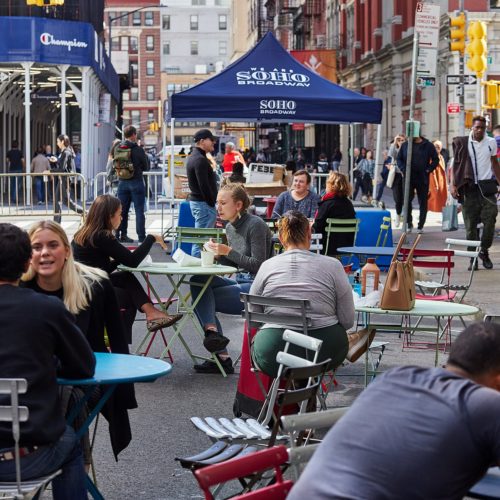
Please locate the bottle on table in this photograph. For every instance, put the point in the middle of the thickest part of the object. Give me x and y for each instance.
(370, 277)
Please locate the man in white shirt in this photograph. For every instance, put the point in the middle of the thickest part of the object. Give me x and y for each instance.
(475, 167)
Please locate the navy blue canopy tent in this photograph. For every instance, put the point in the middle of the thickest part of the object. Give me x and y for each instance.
(267, 84)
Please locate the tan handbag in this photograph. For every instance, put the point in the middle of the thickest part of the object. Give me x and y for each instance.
(399, 288)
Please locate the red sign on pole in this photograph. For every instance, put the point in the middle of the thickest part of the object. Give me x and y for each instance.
(453, 108)
(298, 126)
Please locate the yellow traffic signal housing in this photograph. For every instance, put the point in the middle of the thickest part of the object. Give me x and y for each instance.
(45, 3)
(153, 127)
(491, 94)
(477, 48)
(457, 33)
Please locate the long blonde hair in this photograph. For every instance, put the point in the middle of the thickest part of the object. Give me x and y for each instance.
(77, 278)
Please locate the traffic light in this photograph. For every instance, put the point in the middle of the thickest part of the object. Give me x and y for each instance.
(491, 94)
(153, 127)
(45, 3)
(457, 33)
(476, 48)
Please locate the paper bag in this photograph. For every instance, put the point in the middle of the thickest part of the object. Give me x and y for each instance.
(450, 217)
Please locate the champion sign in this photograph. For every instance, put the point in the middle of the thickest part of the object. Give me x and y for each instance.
(274, 77)
(277, 107)
(48, 39)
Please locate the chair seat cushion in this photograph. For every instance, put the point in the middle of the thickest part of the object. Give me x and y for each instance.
(444, 297)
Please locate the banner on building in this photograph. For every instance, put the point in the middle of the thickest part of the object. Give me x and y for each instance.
(321, 61)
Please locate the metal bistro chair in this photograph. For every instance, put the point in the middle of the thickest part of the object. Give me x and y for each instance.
(15, 414)
(336, 226)
(194, 235)
(385, 227)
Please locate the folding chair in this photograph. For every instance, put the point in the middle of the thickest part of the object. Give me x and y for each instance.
(15, 414)
(491, 318)
(194, 235)
(334, 226)
(384, 231)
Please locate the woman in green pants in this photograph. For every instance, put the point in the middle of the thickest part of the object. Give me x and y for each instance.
(299, 273)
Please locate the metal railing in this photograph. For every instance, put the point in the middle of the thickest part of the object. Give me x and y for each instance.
(318, 182)
(51, 194)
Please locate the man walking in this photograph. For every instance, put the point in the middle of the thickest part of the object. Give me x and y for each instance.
(474, 176)
(39, 165)
(202, 183)
(424, 160)
(15, 163)
(133, 189)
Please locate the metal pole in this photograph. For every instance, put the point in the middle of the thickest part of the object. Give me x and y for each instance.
(378, 160)
(410, 131)
(27, 128)
(351, 154)
(63, 68)
(461, 86)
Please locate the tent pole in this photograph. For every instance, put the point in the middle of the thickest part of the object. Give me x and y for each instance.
(171, 168)
(378, 160)
(164, 151)
(351, 155)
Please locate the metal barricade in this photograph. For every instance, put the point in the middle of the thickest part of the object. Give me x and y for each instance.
(57, 195)
(318, 182)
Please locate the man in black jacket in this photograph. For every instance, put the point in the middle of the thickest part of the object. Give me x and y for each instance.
(424, 160)
(133, 189)
(38, 347)
(202, 183)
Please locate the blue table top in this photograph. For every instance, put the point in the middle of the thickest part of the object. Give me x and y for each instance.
(122, 368)
(375, 251)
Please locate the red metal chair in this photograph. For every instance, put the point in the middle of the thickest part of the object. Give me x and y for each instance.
(258, 462)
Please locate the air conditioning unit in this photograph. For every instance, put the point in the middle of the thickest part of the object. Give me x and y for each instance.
(320, 41)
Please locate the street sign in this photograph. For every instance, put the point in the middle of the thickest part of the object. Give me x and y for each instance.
(426, 62)
(426, 81)
(427, 17)
(459, 91)
(455, 79)
(453, 108)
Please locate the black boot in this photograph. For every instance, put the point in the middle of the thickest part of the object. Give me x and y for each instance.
(484, 256)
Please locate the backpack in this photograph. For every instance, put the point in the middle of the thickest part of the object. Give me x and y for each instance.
(122, 161)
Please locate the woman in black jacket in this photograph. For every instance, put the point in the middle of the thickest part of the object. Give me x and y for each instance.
(335, 204)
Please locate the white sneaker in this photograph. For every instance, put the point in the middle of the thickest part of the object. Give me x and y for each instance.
(397, 222)
(381, 205)
(364, 199)
(374, 203)
(420, 231)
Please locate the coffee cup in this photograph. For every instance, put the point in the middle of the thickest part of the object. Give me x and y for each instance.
(207, 259)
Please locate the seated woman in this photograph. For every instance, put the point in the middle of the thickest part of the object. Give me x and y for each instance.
(335, 204)
(95, 244)
(296, 274)
(249, 245)
(89, 295)
(300, 197)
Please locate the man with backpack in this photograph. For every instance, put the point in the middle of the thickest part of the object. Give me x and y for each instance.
(130, 162)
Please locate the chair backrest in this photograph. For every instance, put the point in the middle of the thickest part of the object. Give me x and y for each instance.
(468, 249)
(198, 235)
(384, 231)
(15, 414)
(259, 461)
(334, 225)
(492, 318)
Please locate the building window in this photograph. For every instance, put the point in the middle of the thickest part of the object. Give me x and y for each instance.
(151, 115)
(135, 116)
(124, 19)
(222, 47)
(194, 22)
(111, 16)
(148, 18)
(150, 68)
(198, 2)
(135, 73)
(170, 89)
(150, 42)
(165, 23)
(166, 48)
(194, 48)
(124, 43)
(134, 44)
(115, 43)
(136, 18)
(150, 92)
(222, 22)
(125, 95)
(134, 94)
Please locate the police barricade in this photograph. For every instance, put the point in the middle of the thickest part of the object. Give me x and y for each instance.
(50, 194)
(318, 182)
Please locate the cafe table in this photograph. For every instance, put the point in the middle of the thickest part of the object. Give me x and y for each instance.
(423, 308)
(177, 276)
(488, 486)
(112, 370)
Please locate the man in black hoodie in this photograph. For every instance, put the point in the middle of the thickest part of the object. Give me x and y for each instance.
(424, 160)
(202, 183)
(133, 189)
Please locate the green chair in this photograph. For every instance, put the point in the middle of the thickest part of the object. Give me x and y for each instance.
(385, 227)
(194, 235)
(336, 226)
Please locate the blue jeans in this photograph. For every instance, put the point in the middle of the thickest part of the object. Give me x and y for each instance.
(65, 454)
(40, 192)
(204, 216)
(130, 191)
(222, 295)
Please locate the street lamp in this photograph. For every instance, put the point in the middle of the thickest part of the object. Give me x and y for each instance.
(111, 19)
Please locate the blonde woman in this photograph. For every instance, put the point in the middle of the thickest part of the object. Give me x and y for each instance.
(335, 204)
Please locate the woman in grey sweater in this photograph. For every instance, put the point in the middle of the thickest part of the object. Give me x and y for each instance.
(248, 246)
(299, 273)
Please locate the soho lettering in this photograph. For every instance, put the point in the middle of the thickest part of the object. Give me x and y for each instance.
(274, 77)
(277, 107)
(48, 39)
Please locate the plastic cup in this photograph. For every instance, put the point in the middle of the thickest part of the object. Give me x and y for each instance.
(207, 259)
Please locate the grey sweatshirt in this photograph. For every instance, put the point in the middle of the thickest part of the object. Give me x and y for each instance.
(299, 274)
(250, 242)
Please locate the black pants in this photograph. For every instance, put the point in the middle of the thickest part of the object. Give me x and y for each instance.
(358, 184)
(131, 297)
(422, 190)
(398, 192)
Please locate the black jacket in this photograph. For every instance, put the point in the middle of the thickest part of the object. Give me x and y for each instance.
(139, 160)
(424, 160)
(201, 178)
(338, 207)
